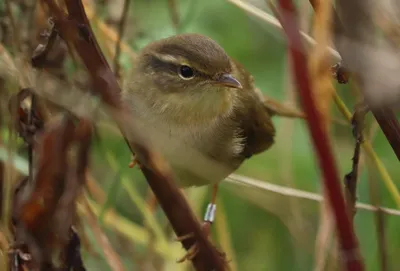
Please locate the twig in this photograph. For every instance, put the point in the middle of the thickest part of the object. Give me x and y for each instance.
(78, 32)
(15, 30)
(385, 117)
(339, 103)
(350, 180)
(42, 51)
(388, 181)
(296, 193)
(353, 18)
(112, 36)
(111, 256)
(347, 239)
(30, 144)
(121, 29)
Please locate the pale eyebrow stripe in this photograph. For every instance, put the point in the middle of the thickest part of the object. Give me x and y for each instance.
(170, 59)
(171, 63)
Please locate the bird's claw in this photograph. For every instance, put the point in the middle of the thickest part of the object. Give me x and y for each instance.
(134, 162)
(193, 250)
(184, 237)
(191, 253)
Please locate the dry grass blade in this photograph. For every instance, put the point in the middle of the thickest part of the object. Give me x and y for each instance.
(292, 192)
(16, 36)
(111, 256)
(324, 237)
(121, 28)
(275, 22)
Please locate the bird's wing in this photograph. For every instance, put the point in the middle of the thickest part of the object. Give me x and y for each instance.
(253, 117)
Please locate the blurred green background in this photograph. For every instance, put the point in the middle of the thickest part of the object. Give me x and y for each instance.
(267, 231)
(258, 229)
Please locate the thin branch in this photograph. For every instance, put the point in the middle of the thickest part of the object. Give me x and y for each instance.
(350, 179)
(383, 172)
(77, 31)
(121, 30)
(347, 239)
(30, 144)
(41, 52)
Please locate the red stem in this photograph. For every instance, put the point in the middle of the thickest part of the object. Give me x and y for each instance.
(350, 253)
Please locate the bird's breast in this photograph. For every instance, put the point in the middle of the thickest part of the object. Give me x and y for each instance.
(198, 154)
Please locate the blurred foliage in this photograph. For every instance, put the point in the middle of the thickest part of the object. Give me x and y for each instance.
(261, 233)
(266, 231)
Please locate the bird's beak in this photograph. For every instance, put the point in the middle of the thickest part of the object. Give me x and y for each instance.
(228, 80)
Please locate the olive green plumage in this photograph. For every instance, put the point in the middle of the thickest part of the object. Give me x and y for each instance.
(197, 107)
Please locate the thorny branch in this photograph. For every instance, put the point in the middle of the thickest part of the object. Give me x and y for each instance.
(76, 30)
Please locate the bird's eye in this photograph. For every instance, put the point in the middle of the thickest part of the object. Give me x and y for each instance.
(185, 72)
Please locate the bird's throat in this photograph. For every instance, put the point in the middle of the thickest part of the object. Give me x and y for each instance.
(198, 107)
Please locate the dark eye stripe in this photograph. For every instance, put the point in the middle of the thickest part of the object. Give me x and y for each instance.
(158, 65)
(161, 66)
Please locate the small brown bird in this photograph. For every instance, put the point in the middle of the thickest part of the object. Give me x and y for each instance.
(198, 108)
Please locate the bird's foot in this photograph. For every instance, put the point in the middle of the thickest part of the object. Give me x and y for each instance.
(205, 227)
(190, 254)
(134, 162)
(194, 249)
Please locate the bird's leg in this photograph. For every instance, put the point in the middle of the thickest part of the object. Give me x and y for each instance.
(210, 213)
(206, 226)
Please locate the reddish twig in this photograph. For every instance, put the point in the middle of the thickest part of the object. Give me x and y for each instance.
(384, 116)
(350, 253)
(76, 30)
